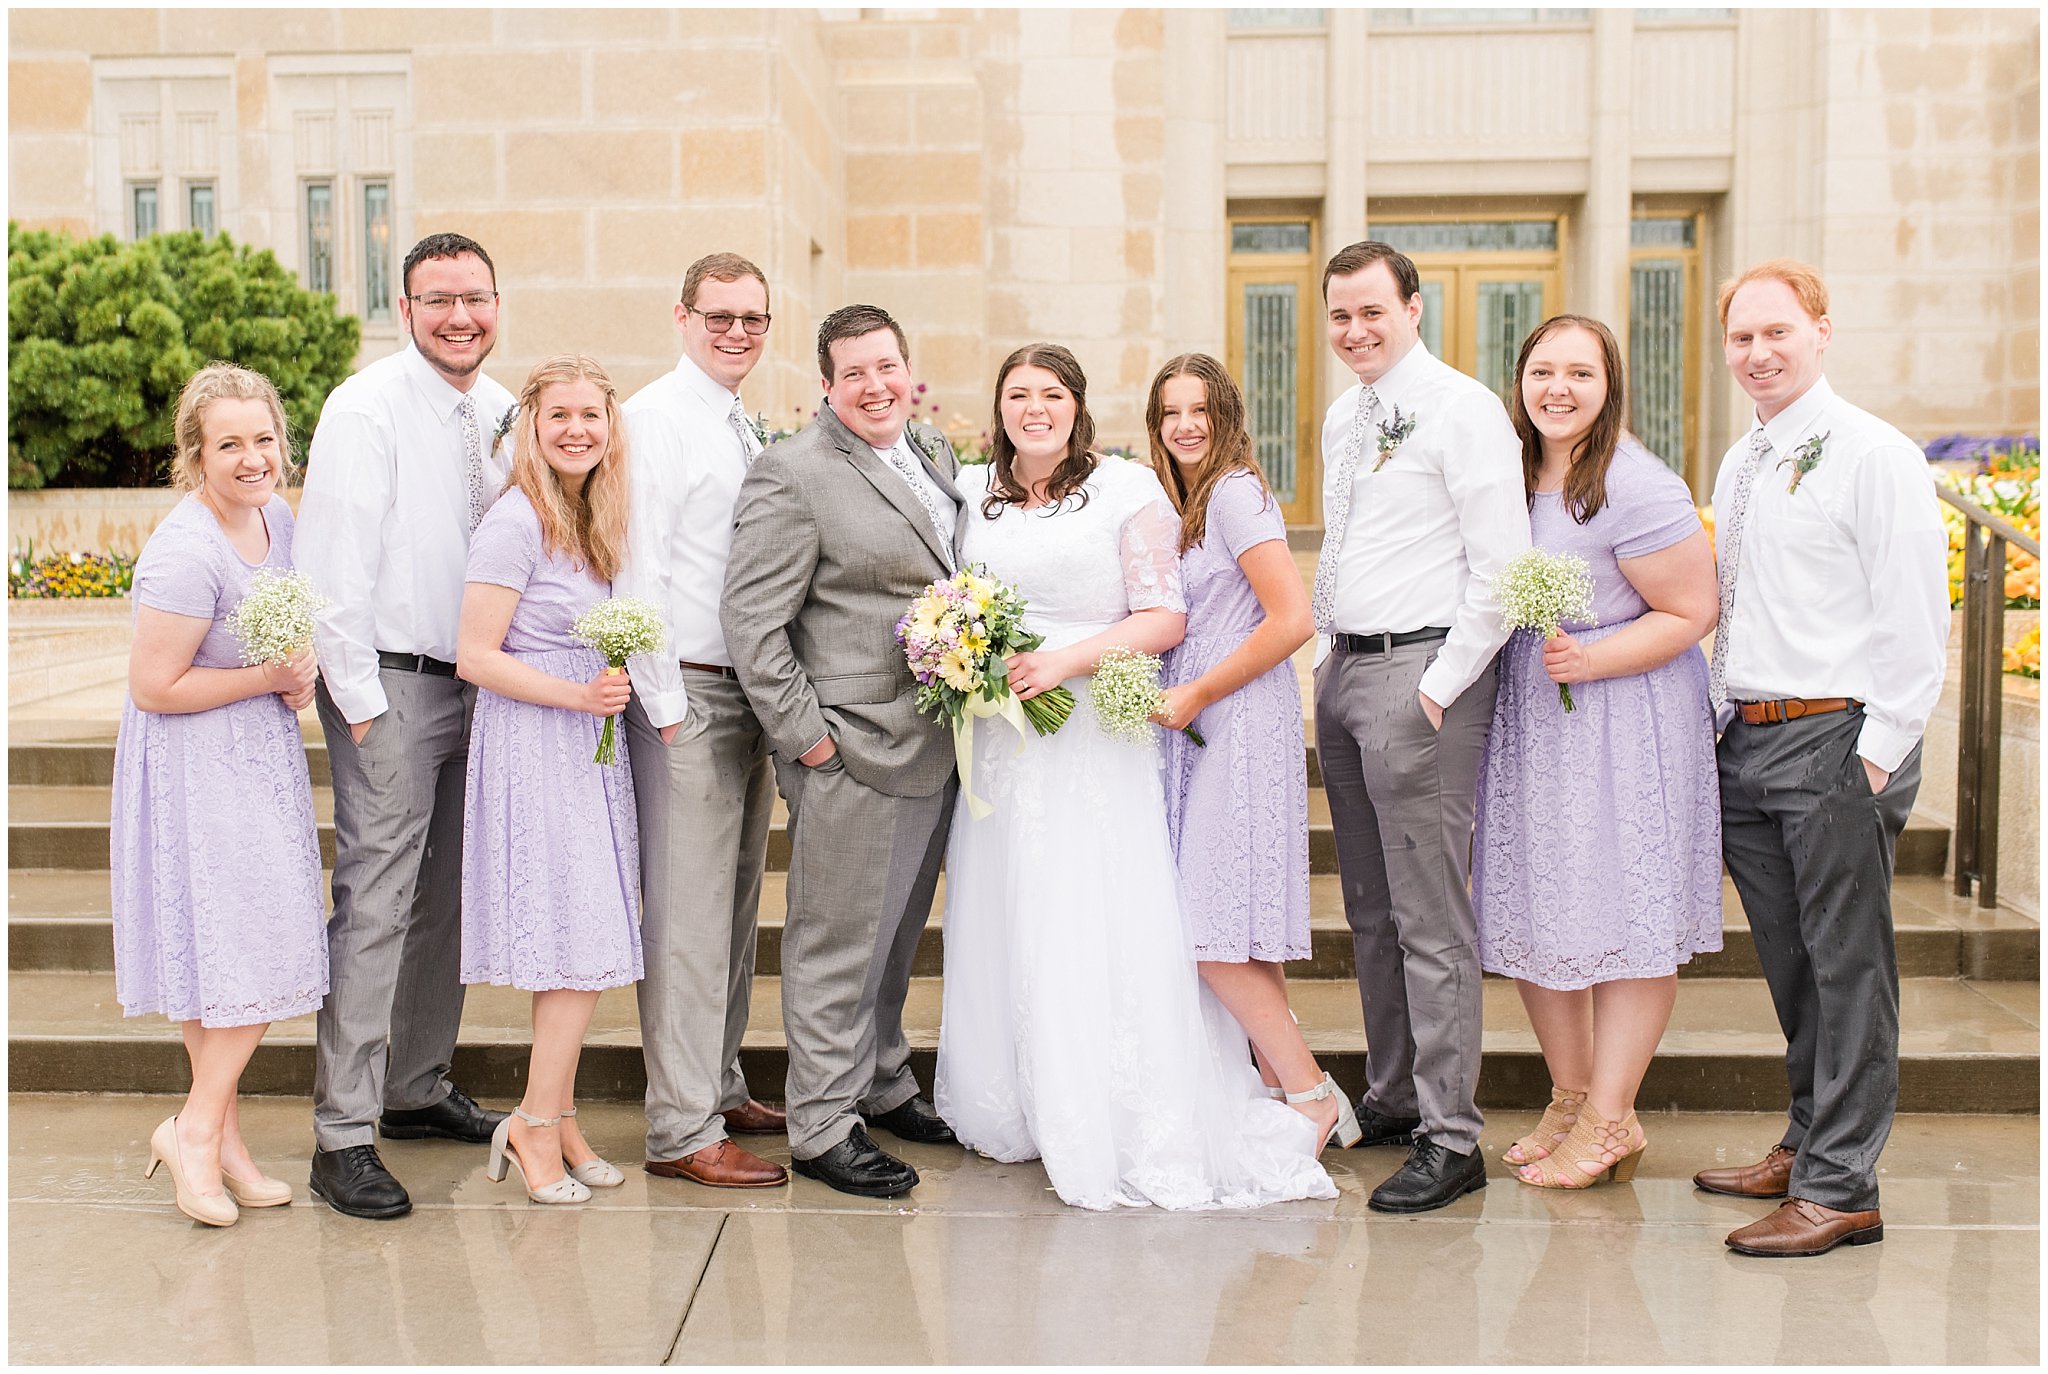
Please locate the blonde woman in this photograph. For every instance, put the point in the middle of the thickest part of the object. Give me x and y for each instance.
(550, 846)
(218, 922)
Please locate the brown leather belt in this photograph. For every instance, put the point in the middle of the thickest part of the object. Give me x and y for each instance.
(1791, 708)
(717, 668)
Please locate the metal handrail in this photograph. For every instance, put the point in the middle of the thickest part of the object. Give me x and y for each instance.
(1983, 692)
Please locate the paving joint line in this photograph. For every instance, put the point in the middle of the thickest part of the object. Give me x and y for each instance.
(696, 1286)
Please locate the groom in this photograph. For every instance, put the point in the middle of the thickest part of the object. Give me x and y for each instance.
(836, 531)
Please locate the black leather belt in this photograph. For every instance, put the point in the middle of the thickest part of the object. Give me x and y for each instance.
(414, 663)
(1380, 643)
(718, 668)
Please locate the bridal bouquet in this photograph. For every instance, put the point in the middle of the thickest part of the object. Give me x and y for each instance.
(1126, 693)
(955, 637)
(1540, 591)
(275, 620)
(618, 627)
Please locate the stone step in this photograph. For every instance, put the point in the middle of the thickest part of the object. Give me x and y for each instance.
(65, 826)
(1964, 1047)
(59, 919)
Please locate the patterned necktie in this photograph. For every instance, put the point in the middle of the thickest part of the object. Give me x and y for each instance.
(906, 468)
(750, 443)
(1731, 523)
(1323, 604)
(473, 460)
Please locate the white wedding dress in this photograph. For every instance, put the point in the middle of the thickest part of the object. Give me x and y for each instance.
(1076, 1028)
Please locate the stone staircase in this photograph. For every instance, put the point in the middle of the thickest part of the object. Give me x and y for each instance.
(1970, 1039)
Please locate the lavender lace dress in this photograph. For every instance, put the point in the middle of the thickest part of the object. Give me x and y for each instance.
(1597, 853)
(216, 864)
(1237, 810)
(550, 844)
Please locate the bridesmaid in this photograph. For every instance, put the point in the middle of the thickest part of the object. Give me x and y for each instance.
(218, 922)
(1596, 867)
(550, 847)
(1237, 810)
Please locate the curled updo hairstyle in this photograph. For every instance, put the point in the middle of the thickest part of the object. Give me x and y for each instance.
(1230, 442)
(220, 382)
(1585, 480)
(1071, 471)
(587, 522)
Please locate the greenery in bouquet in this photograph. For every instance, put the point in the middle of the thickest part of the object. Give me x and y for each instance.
(1543, 592)
(1125, 693)
(956, 635)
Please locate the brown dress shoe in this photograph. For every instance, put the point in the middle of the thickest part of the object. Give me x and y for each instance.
(756, 1118)
(724, 1165)
(1800, 1227)
(1770, 1176)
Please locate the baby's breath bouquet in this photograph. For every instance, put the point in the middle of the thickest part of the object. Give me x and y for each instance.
(275, 620)
(955, 637)
(1540, 591)
(618, 627)
(1126, 693)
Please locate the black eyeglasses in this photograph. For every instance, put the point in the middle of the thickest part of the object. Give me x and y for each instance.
(720, 321)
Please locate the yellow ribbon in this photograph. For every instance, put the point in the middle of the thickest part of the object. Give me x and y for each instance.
(963, 742)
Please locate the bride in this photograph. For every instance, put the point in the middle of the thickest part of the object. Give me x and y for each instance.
(1075, 1028)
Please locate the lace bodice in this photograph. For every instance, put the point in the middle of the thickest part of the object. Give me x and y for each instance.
(1081, 566)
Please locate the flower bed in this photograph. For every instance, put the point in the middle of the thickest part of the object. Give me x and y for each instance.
(70, 575)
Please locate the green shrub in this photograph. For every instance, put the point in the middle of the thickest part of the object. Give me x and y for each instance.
(101, 335)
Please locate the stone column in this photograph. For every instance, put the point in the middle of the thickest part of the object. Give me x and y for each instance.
(1346, 144)
(1600, 259)
(1196, 247)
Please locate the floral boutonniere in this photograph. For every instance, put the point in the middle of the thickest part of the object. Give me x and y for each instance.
(1804, 459)
(759, 424)
(504, 425)
(930, 448)
(1393, 434)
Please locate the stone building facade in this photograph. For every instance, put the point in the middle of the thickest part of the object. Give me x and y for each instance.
(1130, 182)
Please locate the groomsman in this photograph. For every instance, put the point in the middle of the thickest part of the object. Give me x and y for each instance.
(401, 470)
(1422, 504)
(701, 770)
(1829, 656)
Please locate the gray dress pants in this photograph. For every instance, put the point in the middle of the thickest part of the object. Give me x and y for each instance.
(863, 869)
(705, 801)
(394, 943)
(1810, 850)
(1401, 797)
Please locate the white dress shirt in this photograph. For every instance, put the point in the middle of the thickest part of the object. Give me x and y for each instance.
(687, 463)
(1428, 531)
(383, 527)
(1841, 587)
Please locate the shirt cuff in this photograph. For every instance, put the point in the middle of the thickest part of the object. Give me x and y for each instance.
(1440, 684)
(359, 702)
(1884, 745)
(664, 708)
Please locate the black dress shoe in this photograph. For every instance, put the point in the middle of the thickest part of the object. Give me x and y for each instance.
(857, 1165)
(355, 1183)
(915, 1120)
(1432, 1177)
(454, 1117)
(1385, 1130)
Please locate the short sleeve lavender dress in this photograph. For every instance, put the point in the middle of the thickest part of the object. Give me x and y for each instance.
(216, 864)
(550, 843)
(1597, 853)
(1238, 809)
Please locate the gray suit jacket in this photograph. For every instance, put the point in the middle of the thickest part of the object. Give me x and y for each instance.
(828, 548)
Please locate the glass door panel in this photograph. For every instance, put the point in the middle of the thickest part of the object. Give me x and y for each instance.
(1504, 313)
(1656, 357)
(1272, 389)
(1433, 314)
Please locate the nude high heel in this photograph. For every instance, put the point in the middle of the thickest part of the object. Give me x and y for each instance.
(1591, 1142)
(212, 1209)
(593, 1173)
(1345, 1130)
(563, 1190)
(261, 1191)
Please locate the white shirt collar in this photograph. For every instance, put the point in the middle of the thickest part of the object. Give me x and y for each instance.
(1791, 424)
(696, 382)
(436, 390)
(1401, 379)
